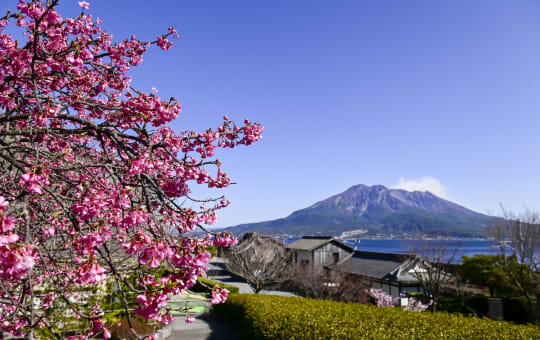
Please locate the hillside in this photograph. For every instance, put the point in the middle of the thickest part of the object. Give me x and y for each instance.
(377, 210)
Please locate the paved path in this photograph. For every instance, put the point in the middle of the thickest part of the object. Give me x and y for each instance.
(205, 327)
(217, 271)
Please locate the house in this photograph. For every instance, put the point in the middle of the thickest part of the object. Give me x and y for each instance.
(314, 251)
(394, 273)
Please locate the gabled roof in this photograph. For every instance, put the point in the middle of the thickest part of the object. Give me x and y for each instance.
(308, 243)
(388, 266)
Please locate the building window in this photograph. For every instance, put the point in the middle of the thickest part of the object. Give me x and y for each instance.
(335, 257)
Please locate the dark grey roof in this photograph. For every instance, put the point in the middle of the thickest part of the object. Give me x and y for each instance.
(308, 243)
(313, 242)
(379, 265)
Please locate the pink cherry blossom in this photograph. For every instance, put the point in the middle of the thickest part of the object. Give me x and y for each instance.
(90, 273)
(92, 178)
(106, 333)
(33, 182)
(7, 223)
(3, 203)
(174, 32)
(219, 295)
(224, 239)
(384, 300)
(164, 43)
(381, 298)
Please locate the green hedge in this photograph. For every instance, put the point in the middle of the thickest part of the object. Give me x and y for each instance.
(278, 317)
(213, 250)
(203, 288)
(514, 309)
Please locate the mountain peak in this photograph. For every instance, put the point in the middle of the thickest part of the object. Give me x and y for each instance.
(379, 209)
(367, 187)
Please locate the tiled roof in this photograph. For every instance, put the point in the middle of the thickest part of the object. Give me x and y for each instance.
(309, 243)
(379, 265)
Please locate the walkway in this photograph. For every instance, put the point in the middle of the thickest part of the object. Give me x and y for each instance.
(217, 271)
(205, 327)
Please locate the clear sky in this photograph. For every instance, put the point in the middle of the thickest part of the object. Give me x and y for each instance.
(438, 95)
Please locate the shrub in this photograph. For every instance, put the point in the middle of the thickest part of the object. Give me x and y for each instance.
(204, 285)
(471, 305)
(514, 309)
(213, 250)
(454, 305)
(278, 317)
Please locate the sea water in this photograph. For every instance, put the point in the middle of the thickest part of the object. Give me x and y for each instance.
(461, 247)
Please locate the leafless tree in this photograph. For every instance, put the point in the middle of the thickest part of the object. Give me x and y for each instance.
(327, 283)
(435, 255)
(260, 260)
(518, 241)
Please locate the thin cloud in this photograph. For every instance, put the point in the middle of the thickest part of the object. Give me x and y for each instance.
(424, 183)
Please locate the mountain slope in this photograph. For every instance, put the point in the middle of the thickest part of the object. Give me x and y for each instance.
(377, 209)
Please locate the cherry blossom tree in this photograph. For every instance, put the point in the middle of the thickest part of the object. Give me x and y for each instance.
(92, 180)
(382, 299)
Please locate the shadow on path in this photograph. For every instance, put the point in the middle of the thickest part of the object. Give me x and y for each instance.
(204, 327)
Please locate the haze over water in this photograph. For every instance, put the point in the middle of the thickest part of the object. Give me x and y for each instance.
(463, 247)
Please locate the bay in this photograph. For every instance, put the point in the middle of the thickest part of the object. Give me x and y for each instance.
(465, 247)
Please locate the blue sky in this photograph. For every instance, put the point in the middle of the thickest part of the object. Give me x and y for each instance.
(443, 95)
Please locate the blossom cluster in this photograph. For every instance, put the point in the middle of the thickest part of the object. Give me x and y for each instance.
(416, 305)
(381, 298)
(92, 181)
(384, 300)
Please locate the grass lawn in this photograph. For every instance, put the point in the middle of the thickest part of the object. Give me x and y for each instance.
(194, 302)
